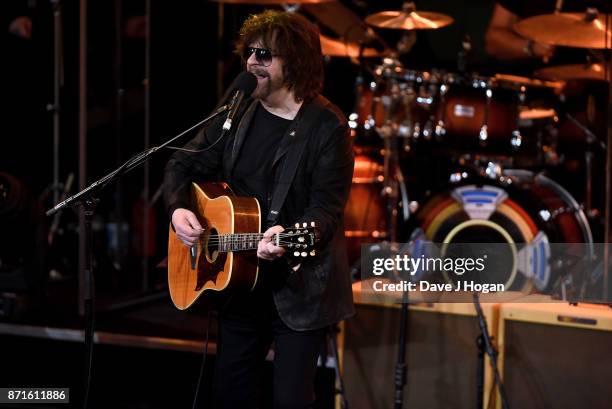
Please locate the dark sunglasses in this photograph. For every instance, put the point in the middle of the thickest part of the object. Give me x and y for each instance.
(262, 55)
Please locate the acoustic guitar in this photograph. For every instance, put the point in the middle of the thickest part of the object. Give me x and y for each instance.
(225, 257)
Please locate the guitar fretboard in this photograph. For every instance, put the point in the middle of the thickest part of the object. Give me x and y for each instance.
(238, 241)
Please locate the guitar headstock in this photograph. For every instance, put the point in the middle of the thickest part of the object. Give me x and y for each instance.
(300, 240)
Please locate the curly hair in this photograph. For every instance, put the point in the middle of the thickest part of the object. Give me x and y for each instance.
(296, 40)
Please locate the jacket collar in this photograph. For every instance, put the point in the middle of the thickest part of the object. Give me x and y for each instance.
(241, 131)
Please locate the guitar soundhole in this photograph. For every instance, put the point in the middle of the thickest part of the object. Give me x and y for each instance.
(212, 245)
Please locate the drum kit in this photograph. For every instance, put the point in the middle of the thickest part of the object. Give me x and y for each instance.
(497, 135)
(494, 136)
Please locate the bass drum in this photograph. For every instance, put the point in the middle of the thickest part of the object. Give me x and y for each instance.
(364, 214)
(526, 210)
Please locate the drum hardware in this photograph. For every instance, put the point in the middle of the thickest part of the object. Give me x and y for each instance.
(517, 139)
(457, 177)
(591, 140)
(406, 42)
(440, 130)
(482, 167)
(483, 135)
(493, 171)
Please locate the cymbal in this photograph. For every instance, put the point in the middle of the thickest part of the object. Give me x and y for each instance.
(573, 72)
(271, 2)
(532, 82)
(338, 48)
(537, 113)
(409, 19)
(567, 29)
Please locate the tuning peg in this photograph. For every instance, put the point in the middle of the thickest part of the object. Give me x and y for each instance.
(304, 224)
(301, 239)
(304, 254)
(313, 253)
(297, 225)
(312, 224)
(290, 245)
(296, 254)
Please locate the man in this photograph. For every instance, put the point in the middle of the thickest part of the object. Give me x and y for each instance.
(292, 304)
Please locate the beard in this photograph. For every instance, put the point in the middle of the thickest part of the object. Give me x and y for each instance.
(271, 83)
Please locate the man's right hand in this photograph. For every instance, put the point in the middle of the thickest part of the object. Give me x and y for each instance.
(187, 226)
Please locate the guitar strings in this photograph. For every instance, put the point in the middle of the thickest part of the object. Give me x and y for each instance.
(241, 236)
(237, 243)
(229, 242)
(216, 242)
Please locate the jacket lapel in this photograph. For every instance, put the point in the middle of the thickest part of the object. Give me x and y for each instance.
(241, 131)
(286, 142)
(290, 135)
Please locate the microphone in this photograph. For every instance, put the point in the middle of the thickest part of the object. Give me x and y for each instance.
(244, 84)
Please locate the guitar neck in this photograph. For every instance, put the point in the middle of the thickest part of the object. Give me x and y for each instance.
(239, 241)
(300, 240)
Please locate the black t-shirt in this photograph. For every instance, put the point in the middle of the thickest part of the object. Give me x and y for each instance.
(253, 176)
(529, 8)
(253, 173)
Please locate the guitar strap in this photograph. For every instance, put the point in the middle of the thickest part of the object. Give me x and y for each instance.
(298, 132)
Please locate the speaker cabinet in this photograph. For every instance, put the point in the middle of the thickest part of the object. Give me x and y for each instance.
(555, 355)
(441, 356)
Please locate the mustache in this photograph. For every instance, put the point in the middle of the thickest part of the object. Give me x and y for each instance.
(259, 72)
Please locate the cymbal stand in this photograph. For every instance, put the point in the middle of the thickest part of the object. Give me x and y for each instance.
(591, 140)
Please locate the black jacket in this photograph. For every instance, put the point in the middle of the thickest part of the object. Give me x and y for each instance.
(319, 292)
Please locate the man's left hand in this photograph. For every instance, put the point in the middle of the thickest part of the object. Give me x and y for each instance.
(266, 249)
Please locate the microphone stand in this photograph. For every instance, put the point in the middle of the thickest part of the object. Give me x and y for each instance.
(483, 341)
(391, 191)
(400, 366)
(88, 199)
